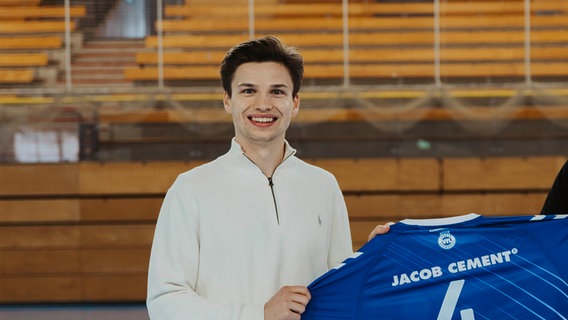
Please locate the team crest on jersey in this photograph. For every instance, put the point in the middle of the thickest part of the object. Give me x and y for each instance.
(446, 240)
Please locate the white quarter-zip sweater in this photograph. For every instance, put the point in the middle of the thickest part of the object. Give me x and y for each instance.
(227, 240)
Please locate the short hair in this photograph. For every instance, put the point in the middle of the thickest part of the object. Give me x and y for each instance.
(266, 49)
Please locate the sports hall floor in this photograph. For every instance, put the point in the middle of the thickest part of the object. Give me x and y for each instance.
(74, 312)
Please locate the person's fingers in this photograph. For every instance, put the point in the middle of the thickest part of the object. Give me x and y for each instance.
(380, 229)
(301, 298)
(288, 303)
(297, 307)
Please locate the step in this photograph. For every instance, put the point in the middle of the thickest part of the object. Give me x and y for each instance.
(114, 44)
(105, 54)
(83, 64)
(98, 82)
(98, 75)
(97, 70)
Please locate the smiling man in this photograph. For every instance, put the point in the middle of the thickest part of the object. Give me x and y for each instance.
(243, 235)
(262, 100)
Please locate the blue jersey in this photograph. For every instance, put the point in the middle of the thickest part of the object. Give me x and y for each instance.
(467, 267)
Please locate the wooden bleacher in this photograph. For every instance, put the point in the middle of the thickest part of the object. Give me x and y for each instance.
(303, 8)
(17, 76)
(12, 44)
(27, 59)
(31, 59)
(33, 27)
(25, 68)
(32, 39)
(387, 40)
(34, 11)
(84, 233)
(362, 55)
(18, 3)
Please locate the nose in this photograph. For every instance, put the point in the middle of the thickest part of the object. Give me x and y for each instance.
(263, 103)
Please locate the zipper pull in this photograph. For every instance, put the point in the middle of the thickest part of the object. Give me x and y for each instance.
(271, 185)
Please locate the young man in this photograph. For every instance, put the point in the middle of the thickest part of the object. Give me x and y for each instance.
(240, 237)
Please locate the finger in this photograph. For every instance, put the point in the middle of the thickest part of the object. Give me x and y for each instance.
(299, 303)
(302, 299)
(380, 229)
(297, 308)
(299, 290)
(298, 298)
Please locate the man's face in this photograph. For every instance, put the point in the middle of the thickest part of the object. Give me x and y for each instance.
(261, 104)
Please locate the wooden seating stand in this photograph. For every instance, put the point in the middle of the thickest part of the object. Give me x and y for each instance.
(84, 233)
(30, 36)
(387, 41)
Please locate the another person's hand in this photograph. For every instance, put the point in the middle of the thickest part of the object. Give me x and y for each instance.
(287, 304)
(380, 229)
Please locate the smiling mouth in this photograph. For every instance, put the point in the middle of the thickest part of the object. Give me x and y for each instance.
(262, 119)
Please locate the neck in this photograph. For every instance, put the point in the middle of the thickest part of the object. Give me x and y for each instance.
(267, 157)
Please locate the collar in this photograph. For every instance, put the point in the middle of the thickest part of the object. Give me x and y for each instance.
(441, 221)
(238, 158)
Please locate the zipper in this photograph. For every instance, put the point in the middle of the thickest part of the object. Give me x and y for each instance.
(271, 185)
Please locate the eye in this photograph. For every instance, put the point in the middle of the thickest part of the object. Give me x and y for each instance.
(278, 92)
(247, 91)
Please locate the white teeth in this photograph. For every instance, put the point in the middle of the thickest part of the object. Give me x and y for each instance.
(263, 120)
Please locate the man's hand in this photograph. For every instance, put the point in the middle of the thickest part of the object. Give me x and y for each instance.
(380, 229)
(287, 304)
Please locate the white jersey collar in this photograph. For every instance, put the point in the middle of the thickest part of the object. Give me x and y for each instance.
(440, 221)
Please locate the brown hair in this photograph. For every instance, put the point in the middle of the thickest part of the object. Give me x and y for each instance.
(265, 49)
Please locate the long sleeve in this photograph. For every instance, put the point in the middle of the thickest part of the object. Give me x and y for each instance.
(340, 242)
(174, 269)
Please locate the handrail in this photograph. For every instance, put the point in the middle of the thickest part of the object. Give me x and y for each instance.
(444, 19)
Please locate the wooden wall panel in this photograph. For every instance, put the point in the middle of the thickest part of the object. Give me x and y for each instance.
(383, 174)
(39, 262)
(39, 289)
(123, 178)
(39, 236)
(39, 210)
(418, 174)
(121, 209)
(370, 206)
(511, 173)
(38, 179)
(83, 232)
(417, 206)
(125, 287)
(115, 261)
(521, 203)
(362, 174)
(117, 236)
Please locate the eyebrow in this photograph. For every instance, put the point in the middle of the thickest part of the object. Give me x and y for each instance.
(250, 85)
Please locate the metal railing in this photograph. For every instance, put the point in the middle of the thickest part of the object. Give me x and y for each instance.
(71, 86)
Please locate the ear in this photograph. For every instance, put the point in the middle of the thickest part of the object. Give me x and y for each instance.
(296, 106)
(227, 103)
